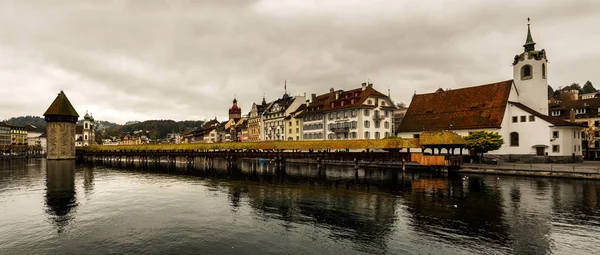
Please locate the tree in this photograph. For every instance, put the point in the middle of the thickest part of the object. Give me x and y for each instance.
(550, 92)
(482, 142)
(588, 87)
(587, 138)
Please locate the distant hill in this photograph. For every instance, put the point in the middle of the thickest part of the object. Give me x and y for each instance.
(153, 128)
(27, 120)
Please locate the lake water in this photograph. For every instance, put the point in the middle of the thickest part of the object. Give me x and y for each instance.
(49, 207)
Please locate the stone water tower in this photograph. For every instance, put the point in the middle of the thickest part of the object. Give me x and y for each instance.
(61, 119)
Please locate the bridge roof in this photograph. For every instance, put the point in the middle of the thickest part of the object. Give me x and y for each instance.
(433, 138)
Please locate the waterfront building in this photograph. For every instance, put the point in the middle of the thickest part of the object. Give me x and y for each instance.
(254, 121)
(4, 134)
(18, 135)
(208, 132)
(516, 109)
(85, 134)
(272, 120)
(36, 137)
(130, 140)
(585, 111)
(362, 113)
(293, 124)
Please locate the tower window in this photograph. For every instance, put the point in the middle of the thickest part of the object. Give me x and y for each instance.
(526, 72)
(544, 71)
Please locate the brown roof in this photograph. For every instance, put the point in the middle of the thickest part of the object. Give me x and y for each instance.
(79, 129)
(467, 108)
(552, 120)
(61, 107)
(591, 105)
(322, 103)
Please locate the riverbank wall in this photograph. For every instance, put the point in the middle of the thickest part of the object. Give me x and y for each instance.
(573, 171)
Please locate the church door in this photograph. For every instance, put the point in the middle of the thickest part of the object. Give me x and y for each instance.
(539, 151)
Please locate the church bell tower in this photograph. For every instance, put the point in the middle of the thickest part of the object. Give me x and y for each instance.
(531, 76)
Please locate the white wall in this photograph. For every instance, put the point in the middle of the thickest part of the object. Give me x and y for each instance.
(532, 92)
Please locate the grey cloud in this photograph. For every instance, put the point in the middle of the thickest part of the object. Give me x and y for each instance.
(186, 59)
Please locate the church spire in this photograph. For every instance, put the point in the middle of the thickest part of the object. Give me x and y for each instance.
(529, 43)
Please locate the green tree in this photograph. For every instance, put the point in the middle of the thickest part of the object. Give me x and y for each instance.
(587, 138)
(588, 87)
(550, 92)
(482, 142)
(574, 86)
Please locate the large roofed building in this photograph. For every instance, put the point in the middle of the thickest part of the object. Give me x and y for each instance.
(517, 109)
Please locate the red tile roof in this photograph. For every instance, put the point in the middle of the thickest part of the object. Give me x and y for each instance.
(350, 99)
(467, 108)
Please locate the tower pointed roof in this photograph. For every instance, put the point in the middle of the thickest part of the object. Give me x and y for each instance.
(529, 43)
(61, 107)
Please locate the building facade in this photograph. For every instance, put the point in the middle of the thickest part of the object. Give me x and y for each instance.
(5, 134)
(18, 135)
(585, 111)
(516, 109)
(293, 124)
(362, 113)
(254, 121)
(273, 117)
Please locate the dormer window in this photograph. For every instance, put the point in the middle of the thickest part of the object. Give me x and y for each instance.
(526, 72)
(370, 102)
(556, 113)
(382, 103)
(580, 110)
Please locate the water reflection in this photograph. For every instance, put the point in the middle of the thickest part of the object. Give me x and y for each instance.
(60, 192)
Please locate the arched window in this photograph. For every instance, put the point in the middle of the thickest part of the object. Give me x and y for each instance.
(526, 72)
(514, 139)
(544, 71)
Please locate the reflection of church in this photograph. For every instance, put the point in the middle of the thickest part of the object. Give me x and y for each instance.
(60, 192)
(85, 134)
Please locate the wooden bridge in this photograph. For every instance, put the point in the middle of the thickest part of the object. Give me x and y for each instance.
(389, 150)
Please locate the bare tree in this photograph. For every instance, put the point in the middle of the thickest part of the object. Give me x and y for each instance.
(587, 137)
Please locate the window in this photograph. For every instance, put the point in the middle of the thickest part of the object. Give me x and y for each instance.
(367, 135)
(86, 125)
(531, 118)
(377, 124)
(514, 139)
(555, 148)
(386, 113)
(297, 130)
(554, 134)
(290, 131)
(515, 119)
(574, 147)
(575, 134)
(544, 71)
(580, 111)
(367, 124)
(382, 103)
(366, 112)
(370, 102)
(416, 136)
(376, 135)
(556, 113)
(386, 125)
(291, 123)
(523, 118)
(526, 72)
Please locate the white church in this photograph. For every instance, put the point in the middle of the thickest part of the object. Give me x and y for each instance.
(517, 109)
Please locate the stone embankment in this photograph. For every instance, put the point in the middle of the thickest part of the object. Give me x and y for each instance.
(586, 170)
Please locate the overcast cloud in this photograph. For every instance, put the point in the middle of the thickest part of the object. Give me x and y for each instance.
(160, 59)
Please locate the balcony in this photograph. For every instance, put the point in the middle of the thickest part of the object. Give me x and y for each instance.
(339, 129)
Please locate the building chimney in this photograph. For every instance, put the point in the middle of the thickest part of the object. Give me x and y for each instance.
(364, 85)
(370, 85)
(313, 97)
(331, 90)
(572, 116)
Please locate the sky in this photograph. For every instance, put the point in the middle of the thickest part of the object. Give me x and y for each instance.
(127, 60)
